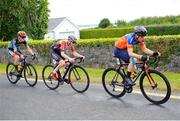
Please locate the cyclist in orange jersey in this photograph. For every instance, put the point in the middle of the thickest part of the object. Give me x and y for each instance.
(124, 50)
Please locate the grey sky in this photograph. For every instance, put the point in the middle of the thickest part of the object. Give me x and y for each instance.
(92, 11)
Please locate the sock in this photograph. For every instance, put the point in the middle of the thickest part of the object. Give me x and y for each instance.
(128, 74)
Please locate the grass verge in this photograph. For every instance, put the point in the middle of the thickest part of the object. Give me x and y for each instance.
(95, 75)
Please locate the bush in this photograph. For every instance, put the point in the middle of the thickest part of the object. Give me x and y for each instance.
(104, 33)
(118, 32)
(166, 45)
(104, 23)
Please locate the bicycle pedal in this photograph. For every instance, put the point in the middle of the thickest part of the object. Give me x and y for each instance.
(129, 89)
(61, 82)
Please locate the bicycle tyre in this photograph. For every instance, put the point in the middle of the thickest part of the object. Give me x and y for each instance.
(80, 84)
(10, 74)
(46, 72)
(109, 72)
(29, 70)
(165, 83)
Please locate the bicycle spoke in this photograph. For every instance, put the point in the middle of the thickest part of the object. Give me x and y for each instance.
(155, 87)
(79, 79)
(46, 74)
(10, 73)
(30, 75)
(112, 82)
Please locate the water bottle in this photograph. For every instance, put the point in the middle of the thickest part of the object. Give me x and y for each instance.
(20, 67)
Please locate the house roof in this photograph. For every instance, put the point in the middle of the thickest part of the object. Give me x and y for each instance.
(54, 22)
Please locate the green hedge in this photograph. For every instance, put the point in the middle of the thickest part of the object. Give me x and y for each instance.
(166, 45)
(118, 32)
(104, 33)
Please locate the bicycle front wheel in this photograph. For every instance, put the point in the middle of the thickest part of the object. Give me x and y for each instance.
(10, 68)
(30, 75)
(112, 81)
(79, 79)
(155, 87)
(46, 75)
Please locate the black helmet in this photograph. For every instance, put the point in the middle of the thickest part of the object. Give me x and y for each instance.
(72, 38)
(140, 30)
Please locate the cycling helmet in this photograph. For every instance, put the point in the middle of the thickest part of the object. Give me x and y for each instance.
(72, 38)
(140, 30)
(22, 34)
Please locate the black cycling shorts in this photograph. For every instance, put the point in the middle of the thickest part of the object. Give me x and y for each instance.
(56, 56)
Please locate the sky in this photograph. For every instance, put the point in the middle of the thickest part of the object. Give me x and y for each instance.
(86, 12)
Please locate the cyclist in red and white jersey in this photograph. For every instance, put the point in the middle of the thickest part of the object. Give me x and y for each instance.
(58, 53)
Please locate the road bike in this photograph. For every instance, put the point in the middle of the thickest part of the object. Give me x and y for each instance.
(77, 76)
(154, 85)
(26, 71)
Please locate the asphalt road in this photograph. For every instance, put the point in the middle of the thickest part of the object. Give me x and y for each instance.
(21, 102)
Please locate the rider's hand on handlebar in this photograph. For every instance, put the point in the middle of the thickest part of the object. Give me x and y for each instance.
(83, 57)
(156, 54)
(33, 56)
(144, 58)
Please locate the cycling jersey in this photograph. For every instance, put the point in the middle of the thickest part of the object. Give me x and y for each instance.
(60, 46)
(124, 43)
(15, 43)
(127, 41)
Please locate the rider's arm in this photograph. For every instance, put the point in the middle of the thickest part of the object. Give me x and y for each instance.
(28, 48)
(131, 53)
(145, 49)
(15, 48)
(75, 54)
(65, 56)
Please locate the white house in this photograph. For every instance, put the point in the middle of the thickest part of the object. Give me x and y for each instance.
(61, 28)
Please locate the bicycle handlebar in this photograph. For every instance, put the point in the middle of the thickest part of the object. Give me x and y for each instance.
(25, 56)
(154, 58)
(75, 59)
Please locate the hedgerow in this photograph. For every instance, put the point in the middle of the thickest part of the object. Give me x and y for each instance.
(118, 32)
(166, 45)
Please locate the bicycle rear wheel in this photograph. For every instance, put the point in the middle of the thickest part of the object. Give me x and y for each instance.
(79, 79)
(30, 75)
(46, 75)
(10, 68)
(155, 87)
(112, 81)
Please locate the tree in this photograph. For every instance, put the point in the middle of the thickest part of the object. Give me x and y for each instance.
(27, 15)
(104, 23)
(120, 23)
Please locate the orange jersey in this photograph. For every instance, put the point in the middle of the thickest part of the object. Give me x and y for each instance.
(62, 46)
(127, 41)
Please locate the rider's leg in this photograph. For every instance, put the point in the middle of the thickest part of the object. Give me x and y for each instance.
(131, 67)
(16, 59)
(60, 61)
(123, 54)
(61, 64)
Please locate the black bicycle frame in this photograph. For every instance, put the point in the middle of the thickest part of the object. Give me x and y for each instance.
(122, 70)
(66, 72)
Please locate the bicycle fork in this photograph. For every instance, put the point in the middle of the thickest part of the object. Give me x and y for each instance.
(150, 79)
(76, 74)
